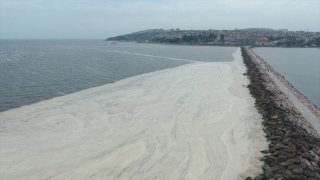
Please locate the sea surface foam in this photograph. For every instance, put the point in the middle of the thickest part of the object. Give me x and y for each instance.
(196, 121)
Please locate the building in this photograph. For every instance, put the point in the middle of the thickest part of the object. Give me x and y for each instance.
(245, 41)
(291, 38)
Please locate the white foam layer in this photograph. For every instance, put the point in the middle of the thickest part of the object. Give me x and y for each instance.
(148, 55)
(195, 121)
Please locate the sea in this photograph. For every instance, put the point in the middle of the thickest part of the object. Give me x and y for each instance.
(37, 70)
(300, 66)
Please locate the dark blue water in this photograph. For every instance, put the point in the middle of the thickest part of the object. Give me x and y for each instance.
(36, 70)
(300, 66)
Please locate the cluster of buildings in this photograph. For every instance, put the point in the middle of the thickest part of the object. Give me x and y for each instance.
(251, 36)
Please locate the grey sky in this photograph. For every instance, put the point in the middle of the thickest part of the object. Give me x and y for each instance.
(88, 19)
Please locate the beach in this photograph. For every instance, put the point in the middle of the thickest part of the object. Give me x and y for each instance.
(195, 121)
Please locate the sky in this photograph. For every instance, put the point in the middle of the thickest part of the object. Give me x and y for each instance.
(97, 19)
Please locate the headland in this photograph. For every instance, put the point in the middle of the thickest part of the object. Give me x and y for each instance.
(259, 37)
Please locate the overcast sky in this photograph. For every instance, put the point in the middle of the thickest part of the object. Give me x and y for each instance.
(97, 19)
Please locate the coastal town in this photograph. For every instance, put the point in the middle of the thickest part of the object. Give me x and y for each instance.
(251, 36)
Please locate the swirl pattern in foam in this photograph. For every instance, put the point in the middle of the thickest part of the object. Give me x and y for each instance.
(195, 121)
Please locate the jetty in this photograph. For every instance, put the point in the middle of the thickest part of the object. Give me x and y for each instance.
(292, 129)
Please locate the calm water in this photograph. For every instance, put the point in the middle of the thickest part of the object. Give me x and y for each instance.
(300, 66)
(36, 70)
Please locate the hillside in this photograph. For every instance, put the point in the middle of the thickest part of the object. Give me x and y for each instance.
(137, 36)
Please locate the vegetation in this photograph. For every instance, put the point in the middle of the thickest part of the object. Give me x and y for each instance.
(314, 42)
(271, 38)
(174, 41)
(190, 39)
(300, 43)
(150, 36)
(186, 39)
(142, 36)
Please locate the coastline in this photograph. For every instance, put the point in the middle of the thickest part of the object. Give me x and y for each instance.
(193, 121)
(218, 45)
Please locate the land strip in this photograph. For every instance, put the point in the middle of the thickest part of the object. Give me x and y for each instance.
(260, 37)
(308, 110)
(294, 147)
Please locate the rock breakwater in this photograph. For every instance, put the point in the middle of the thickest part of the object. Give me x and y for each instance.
(304, 100)
(294, 146)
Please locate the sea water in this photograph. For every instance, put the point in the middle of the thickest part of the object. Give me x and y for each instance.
(37, 70)
(195, 121)
(300, 66)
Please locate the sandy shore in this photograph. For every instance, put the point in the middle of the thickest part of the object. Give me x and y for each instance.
(195, 121)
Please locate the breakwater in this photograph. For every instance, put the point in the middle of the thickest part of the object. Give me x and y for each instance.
(299, 66)
(294, 145)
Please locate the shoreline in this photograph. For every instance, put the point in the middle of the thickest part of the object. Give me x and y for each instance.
(294, 149)
(219, 45)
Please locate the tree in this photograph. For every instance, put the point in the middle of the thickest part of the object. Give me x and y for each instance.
(212, 36)
(174, 41)
(189, 38)
(200, 37)
(222, 37)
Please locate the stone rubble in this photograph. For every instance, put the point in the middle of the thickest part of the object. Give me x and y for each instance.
(304, 100)
(294, 146)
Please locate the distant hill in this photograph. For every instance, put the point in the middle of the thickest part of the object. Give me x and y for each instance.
(137, 36)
